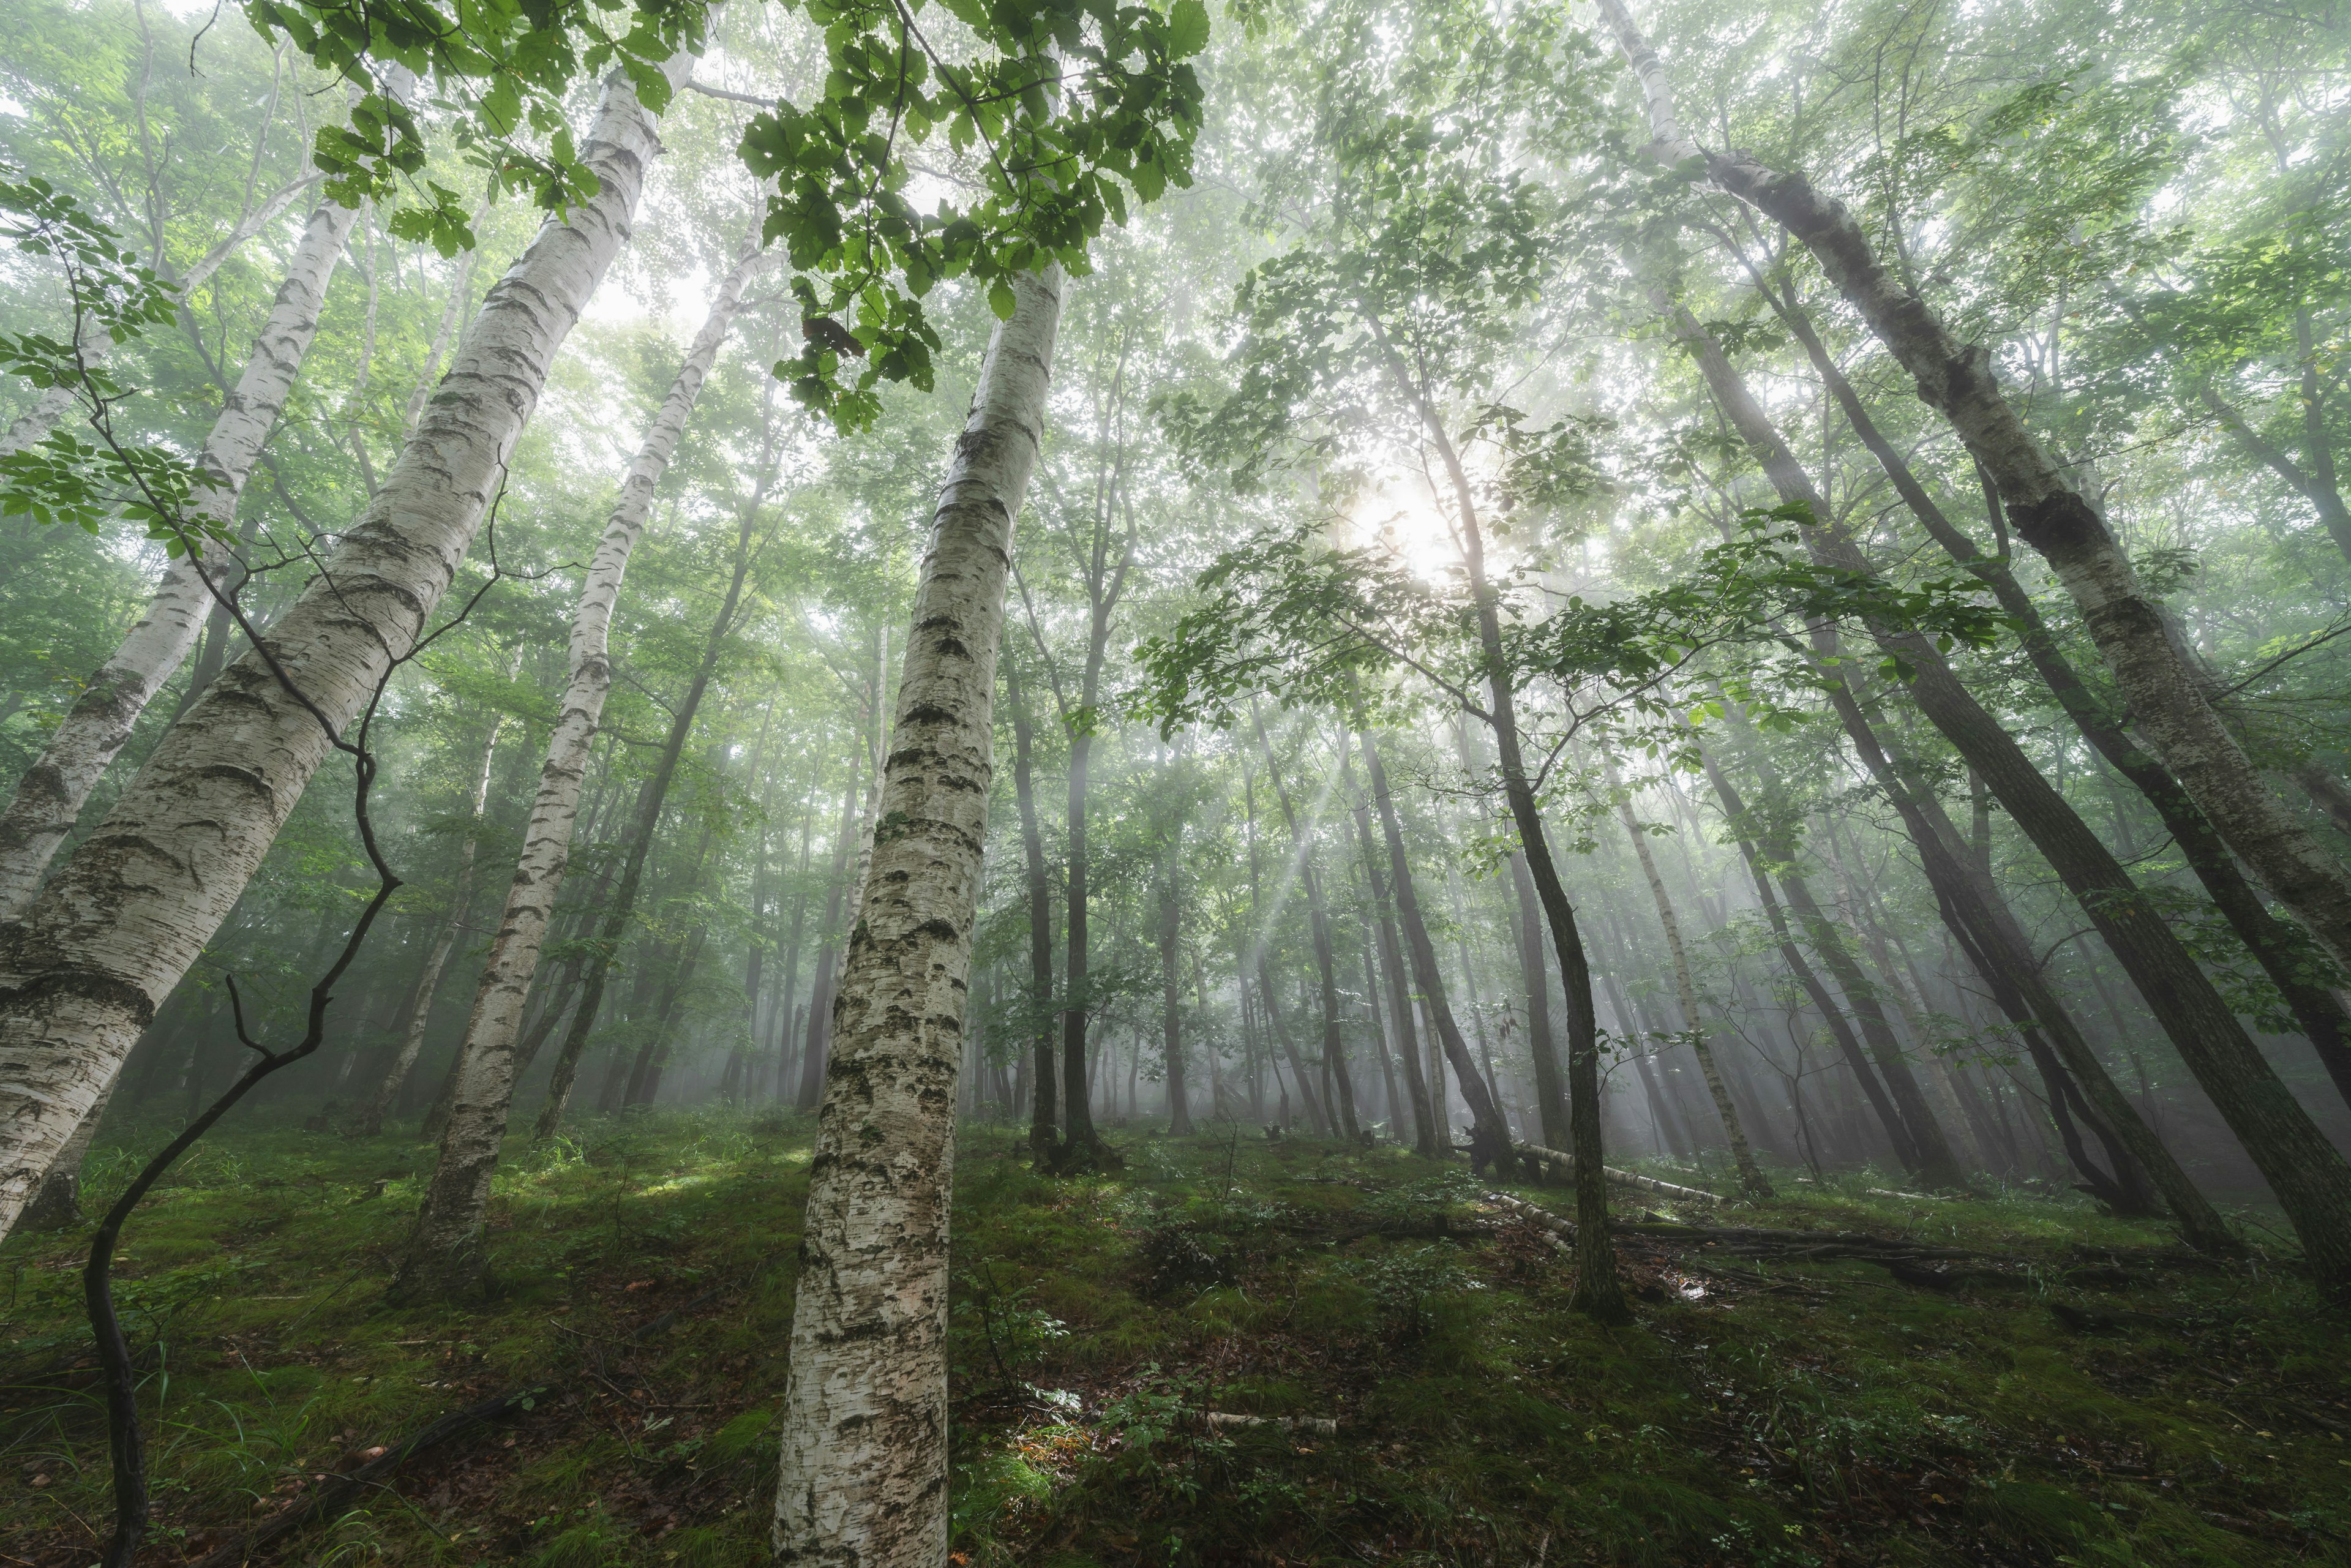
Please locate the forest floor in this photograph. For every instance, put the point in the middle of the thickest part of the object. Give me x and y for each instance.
(2083, 1394)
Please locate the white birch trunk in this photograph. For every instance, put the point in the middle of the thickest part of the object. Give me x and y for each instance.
(444, 1252)
(113, 933)
(36, 423)
(50, 796)
(2157, 675)
(864, 1473)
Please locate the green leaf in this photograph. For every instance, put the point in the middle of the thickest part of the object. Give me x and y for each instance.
(1187, 29)
(1001, 300)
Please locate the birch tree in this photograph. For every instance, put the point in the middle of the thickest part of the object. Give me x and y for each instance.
(50, 796)
(865, 1428)
(482, 1099)
(107, 940)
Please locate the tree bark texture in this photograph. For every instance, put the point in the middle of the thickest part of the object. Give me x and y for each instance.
(53, 791)
(865, 1428)
(110, 935)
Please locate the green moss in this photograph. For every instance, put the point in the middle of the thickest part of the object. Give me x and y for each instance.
(1838, 1416)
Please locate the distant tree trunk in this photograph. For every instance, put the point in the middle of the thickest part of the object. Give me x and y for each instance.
(1428, 1135)
(2155, 674)
(444, 1261)
(1734, 810)
(461, 896)
(785, 1011)
(175, 853)
(828, 952)
(865, 1428)
(1301, 846)
(1390, 1103)
(851, 894)
(2310, 1177)
(1271, 1005)
(1081, 1146)
(1490, 1136)
(1044, 1111)
(1171, 1008)
(1751, 1175)
(50, 796)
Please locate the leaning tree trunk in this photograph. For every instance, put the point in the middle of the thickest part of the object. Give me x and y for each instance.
(117, 928)
(432, 1268)
(2311, 1179)
(2276, 945)
(36, 423)
(864, 1431)
(1428, 1128)
(55, 789)
(1751, 1175)
(1490, 1134)
(488, 1063)
(420, 1011)
(2155, 674)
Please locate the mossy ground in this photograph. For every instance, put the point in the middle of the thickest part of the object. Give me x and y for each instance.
(1791, 1414)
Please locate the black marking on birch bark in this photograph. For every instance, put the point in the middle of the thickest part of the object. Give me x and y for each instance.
(93, 986)
(252, 779)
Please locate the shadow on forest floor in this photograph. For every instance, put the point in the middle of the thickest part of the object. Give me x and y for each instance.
(1231, 1352)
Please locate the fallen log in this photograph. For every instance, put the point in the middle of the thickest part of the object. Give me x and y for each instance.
(1737, 1242)
(1621, 1177)
(1222, 1420)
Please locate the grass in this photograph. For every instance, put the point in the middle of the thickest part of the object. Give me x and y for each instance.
(1783, 1413)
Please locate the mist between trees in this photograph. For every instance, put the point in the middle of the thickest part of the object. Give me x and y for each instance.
(1739, 592)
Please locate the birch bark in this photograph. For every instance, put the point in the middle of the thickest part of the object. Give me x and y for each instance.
(864, 1434)
(106, 941)
(488, 1063)
(2156, 675)
(54, 789)
(36, 423)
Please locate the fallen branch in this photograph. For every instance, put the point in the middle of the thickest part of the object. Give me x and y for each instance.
(1905, 1197)
(1799, 1246)
(1221, 1420)
(1622, 1179)
(340, 1492)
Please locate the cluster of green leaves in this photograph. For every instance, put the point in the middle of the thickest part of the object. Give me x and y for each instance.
(1074, 104)
(502, 68)
(1288, 614)
(69, 477)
